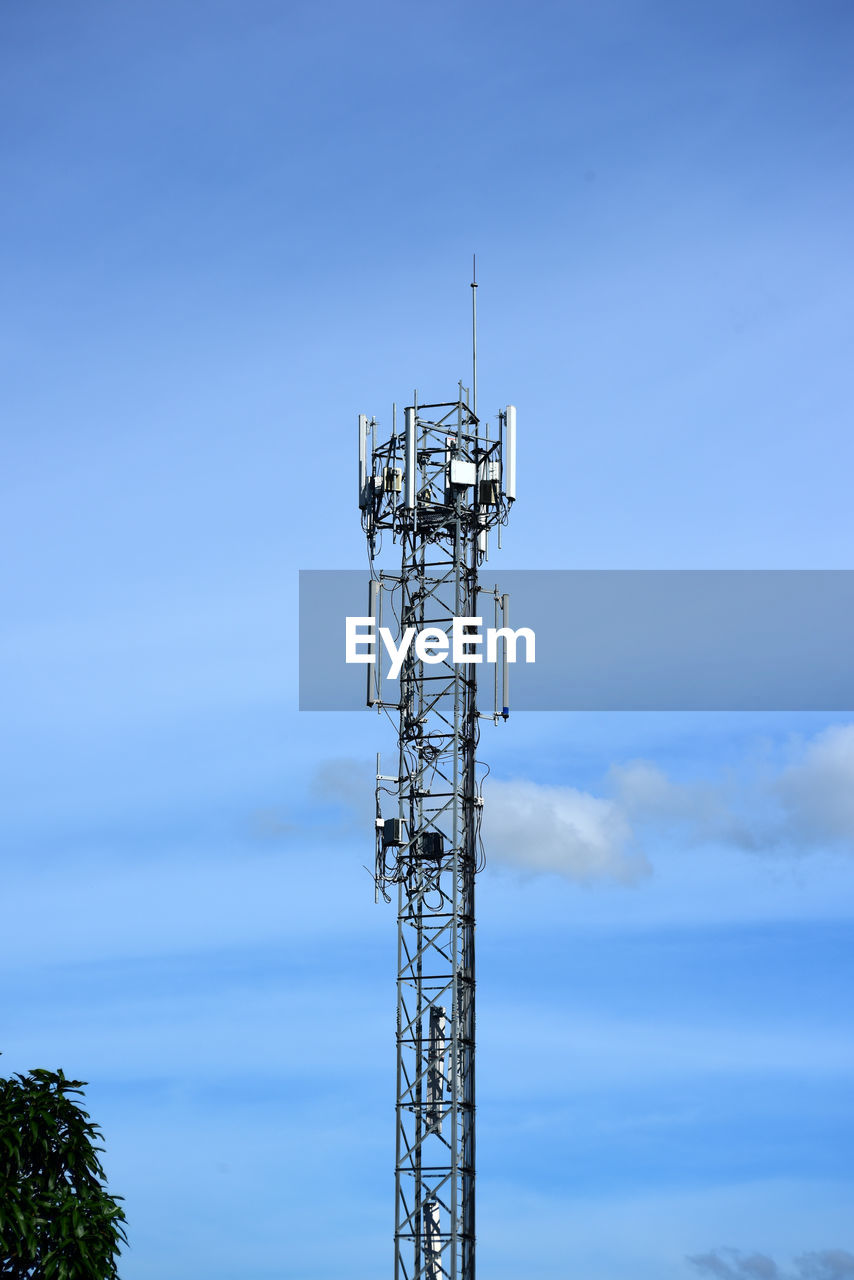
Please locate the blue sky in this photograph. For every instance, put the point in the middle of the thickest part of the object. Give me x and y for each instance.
(226, 230)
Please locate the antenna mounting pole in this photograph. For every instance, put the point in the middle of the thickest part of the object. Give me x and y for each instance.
(474, 334)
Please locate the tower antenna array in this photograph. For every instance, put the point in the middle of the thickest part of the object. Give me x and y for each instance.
(438, 488)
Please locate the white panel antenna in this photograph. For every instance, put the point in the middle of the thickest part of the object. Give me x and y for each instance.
(364, 500)
(410, 459)
(373, 668)
(510, 461)
(505, 671)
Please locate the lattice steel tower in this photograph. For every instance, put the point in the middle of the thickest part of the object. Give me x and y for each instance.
(438, 488)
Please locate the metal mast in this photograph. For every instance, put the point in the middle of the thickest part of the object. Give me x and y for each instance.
(438, 488)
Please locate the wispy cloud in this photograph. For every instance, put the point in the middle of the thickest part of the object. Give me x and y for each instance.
(585, 837)
(729, 1264)
(817, 792)
(831, 1264)
(700, 811)
(732, 1264)
(806, 805)
(347, 783)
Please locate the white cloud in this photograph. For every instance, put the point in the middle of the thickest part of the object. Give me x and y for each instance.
(584, 837)
(561, 830)
(818, 791)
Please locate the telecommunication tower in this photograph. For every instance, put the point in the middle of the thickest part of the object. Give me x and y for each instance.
(438, 488)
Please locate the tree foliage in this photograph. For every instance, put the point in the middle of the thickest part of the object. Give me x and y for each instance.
(57, 1221)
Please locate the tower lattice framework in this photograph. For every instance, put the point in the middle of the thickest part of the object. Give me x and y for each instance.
(438, 488)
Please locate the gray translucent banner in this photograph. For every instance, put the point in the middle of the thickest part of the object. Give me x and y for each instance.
(627, 640)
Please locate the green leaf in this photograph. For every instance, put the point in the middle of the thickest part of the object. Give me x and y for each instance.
(57, 1220)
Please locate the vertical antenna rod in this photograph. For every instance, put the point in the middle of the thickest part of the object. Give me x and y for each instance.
(474, 334)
